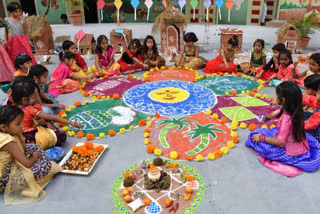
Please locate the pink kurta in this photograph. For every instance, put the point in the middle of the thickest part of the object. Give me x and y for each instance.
(285, 74)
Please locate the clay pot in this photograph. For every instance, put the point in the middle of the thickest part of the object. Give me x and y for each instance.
(76, 18)
(303, 43)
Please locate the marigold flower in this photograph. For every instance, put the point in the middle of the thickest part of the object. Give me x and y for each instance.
(189, 157)
(90, 136)
(80, 134)
(224, 120)
(102, 135)
(218, 154)
(157, 152)
(157, 115)
(252, 126)
(115, 96)
(174, 155)
(150, 148)
(211, 156)
(111, 132)
(77, 103)
(86, 94)
(199, 157)
(142, 123)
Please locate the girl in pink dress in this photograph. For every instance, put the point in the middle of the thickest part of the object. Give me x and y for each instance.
(105, 63)
(286, 69)
(287, 143)
(63, 80)
(7, 68)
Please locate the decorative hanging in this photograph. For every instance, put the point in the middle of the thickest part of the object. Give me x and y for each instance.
(182, 3)
(79, 36)
(207, 4)
(148, 3)
(219, 4)
(118, 4)
(101, 4)
(229, 5)
(135, 4)
(194, 4)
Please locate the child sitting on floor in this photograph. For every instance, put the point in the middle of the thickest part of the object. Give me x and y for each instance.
(312, 120)
(258, 58)
(39, 74)
(287, 143)
(25, 169)
(270, 69)
(79, 66)
(150, 53)
(131, 60)
(191, 52)
(314, 67)
(286, 69)
(35, 121)
(311, 84)
(63, 79)
(105, 63)
(23, 64)
(224, 62)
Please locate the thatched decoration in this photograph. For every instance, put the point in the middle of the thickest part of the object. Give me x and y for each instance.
(35, 26)
(169, 15)
(282, 31)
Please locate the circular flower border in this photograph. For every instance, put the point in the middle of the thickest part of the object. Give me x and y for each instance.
(121, 208)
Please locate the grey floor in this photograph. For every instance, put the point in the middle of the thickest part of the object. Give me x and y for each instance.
(236, 183)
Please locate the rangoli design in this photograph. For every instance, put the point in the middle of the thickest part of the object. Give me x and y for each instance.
(222, 84)
(189, 136)
(110, 86)
(179, 189)
(99, 117)
(244, 109)
(182, 74)
(170, 98)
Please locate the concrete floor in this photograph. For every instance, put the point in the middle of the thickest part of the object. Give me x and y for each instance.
(236, 183)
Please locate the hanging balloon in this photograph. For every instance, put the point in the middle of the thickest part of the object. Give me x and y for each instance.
(148, 3)
(101, 4)
(219, 4)
(135, 4)
(229, 5)
(182, 3)
(118, 4)
(207, 4)
(194, 4)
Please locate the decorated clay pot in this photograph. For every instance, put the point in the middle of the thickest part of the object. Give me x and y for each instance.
(154, 174)
(76, 18)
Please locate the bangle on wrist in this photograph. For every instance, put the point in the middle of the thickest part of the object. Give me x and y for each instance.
(262, 138)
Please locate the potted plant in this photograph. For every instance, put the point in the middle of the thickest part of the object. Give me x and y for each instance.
(304, 27)
(76, 14)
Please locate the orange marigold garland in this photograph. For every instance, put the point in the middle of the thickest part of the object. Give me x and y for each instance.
(147, 130)
(218, 154)
(88, 145)
(157, 115)
(86, 94)
(99, 148)
(235, 139)
(150, 148)
(77, 103)
(252, 126)
(189, 157)
(115, 96)
(142, 123)
(224, 120)
(99, 96)
(112, 132)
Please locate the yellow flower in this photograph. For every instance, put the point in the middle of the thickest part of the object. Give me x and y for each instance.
(179, 66)
(103, 97)
(230, 144)
(148, 118)
(108, 97)
(272, 126)
(248, 77)
(157, 152)
(215, 116)
(248, 91)
(265, 96)
(235, 122)
(173, 66)
(208, 75)
(131, 127)
(208, 112)
(211, 156)
(95, 100)
(148, 125)
(243, 93)
(121, 75)
(162, 67)
(72, 133)
(66, 109)
(224, 150)
(71, 107)
(174, 155)
(151, 70)
(243, 125)
(233, 127)
(244, 76)
(115, 75)
(94, 79)
(86, 102)
(134, 77)
(66, 128)
(199, 158)
(64, 115)
(226, 74)
(233, 74)
(234, 134)
(214, 74)
(102, 135)
(122, 130)
(264, 126)
(258, 95)
(227, 93)
(101, 78)
(146, 135)
(146, 141)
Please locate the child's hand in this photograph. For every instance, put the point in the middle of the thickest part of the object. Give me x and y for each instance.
(273, 103)
(85, 70)
(187, 59)
(36, 155)
(227, 67)
(61, 106)
(259, 75)
(77, 125)
(256, 138)
(77, 69)
(295, 64)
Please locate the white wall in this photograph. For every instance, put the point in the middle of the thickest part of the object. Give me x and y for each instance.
(206, 35)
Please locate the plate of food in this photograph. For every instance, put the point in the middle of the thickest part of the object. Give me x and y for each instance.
(82, 158)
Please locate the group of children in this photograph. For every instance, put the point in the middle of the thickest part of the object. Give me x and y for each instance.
(26, 121)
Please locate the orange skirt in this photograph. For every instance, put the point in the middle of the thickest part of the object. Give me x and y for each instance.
(217, 66)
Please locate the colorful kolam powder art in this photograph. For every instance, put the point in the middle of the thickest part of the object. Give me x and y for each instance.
(245, 110)
(192, 137)
(173, 73)
(158, 186)
(109, 86)
(229, 83)
(169, 98)
(105, 117)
